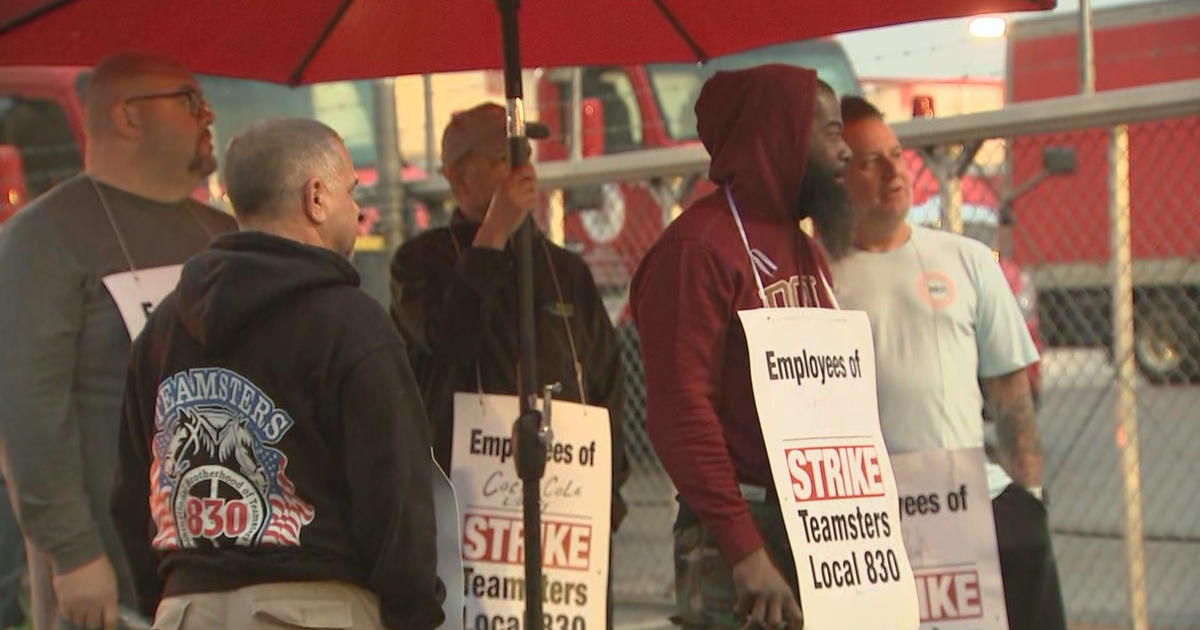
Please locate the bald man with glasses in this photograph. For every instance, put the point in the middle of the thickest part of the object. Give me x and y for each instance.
(80, 269)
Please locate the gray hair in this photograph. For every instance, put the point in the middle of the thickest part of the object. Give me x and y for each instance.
(268, 163)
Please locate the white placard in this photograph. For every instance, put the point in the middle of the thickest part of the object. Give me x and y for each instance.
(951, 539)
(576, 495)
(813, 372)
(138, 292)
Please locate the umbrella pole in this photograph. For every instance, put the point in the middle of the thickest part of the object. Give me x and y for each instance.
(528, 432)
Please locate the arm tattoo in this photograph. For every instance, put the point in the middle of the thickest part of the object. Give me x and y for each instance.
(1010, 403)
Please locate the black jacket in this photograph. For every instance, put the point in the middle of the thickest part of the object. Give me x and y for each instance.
(273, 432)
(456, 307)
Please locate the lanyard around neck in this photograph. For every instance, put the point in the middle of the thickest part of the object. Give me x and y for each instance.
(762, 293)
(112, 221)
(578, 366)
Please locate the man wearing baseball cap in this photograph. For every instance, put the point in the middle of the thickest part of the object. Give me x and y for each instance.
(454, 294)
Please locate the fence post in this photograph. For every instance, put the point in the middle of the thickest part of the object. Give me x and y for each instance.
(1126, 371)
(372, 258)
(952, 199)
(431, 159)
(943, 164)
(556, 216)
(668, 193)
(1087, 51)
(576, 138)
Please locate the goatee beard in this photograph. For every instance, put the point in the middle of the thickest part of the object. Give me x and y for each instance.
(203, 165)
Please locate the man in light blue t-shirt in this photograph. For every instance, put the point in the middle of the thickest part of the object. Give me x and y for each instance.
(949, 338)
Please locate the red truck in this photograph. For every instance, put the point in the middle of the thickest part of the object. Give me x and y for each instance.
(41, 132)
(1061, 230)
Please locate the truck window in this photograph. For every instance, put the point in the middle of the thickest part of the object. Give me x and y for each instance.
(346, 106)
(41, 133)
(622, 115)
(677, 85)
(349, 107)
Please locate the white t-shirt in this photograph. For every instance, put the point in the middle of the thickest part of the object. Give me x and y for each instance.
(943, 316)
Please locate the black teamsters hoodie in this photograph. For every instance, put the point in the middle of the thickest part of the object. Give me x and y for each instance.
(273, 432)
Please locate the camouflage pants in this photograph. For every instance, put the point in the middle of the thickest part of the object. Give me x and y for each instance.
(704, 592)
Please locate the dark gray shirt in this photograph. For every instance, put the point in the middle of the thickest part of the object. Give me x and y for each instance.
(64, 350)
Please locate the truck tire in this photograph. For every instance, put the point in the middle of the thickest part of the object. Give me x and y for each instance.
(1164, 346)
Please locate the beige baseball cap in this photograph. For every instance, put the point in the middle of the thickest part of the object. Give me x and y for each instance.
(483, 128)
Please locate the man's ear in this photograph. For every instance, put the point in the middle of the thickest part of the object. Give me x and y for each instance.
(453, 176)
(316, 197)
(125, 120)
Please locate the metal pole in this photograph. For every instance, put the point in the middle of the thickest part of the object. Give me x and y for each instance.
(1126, 401)
(1087, 52)
(956, 167)
(577, 113)
(516, 136)
(390, 194)
(556, 219)
(388, 164)
(530, 458)
(672, 208)
(430, 144)
(943, 164)
(371, 256)
(952, 197)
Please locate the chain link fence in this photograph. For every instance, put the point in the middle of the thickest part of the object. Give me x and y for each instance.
(1113, 250)
(612, 225)
(1117, 396)
(1099, 228)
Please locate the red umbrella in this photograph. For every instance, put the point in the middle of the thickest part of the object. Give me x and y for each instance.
(306, 41)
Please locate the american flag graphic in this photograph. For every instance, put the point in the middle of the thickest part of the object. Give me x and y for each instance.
(160, 512)
(288, 512)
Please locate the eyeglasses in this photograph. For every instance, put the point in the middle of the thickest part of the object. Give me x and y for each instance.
(196, 102)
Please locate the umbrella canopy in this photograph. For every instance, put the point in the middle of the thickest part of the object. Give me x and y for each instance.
(306, 41)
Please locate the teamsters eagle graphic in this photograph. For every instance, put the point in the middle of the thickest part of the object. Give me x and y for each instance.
(214, 481)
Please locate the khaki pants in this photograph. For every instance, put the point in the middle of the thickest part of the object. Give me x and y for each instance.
(273, 607)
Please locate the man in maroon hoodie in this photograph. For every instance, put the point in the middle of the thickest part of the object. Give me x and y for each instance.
(774, 134)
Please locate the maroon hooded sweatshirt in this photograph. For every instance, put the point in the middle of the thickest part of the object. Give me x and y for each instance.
(701, 415)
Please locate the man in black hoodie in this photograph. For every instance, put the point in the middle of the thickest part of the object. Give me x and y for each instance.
(274, 452)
